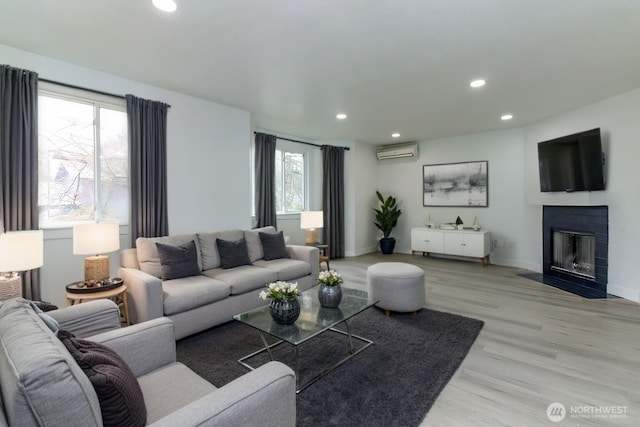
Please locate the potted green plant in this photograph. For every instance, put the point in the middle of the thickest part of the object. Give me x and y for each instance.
(386, 219)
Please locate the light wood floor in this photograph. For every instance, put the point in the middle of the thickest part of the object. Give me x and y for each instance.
(539, 345)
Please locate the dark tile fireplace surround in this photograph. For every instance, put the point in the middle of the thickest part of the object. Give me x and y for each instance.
(579, 221)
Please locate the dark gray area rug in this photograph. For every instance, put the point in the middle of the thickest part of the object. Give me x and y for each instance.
(392, 383)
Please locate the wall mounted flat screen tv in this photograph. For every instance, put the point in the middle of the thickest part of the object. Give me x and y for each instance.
(572, 163)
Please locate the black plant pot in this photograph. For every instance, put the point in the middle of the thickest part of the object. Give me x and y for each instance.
(387, 245)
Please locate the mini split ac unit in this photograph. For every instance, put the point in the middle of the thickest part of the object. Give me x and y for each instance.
(397, 150)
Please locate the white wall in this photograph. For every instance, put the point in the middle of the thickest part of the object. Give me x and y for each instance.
(619, 121)
(402, 178)
(361, 172)
(208, 164)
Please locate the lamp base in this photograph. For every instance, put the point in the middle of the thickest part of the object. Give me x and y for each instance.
(96, 268)
(312, 236)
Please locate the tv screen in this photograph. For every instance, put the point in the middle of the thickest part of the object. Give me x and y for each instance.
(572, 163)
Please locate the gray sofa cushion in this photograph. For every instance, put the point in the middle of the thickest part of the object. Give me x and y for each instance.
(191, 292)
(178, 261)
(208, 248)
(243, 279)
(254, 245)
(119, 393)
(170, 388)
(285, 268)
(273, 246)
(37, 373)
(148, 256)
(233, 253)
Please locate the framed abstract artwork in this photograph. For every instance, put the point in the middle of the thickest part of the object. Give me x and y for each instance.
(456, 184)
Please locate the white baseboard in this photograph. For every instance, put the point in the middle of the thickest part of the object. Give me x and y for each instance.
(361, 251)
(623, 292)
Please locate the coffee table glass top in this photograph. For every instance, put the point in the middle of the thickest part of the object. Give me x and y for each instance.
(314, 319)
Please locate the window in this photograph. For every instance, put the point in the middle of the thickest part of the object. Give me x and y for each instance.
(290, 182)
(82, 159)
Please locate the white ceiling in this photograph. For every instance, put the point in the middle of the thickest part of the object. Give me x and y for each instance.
(391, 65)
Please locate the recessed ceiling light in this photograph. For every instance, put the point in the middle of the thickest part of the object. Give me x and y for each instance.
(507, 117)
(477, 83)
(341, 116)
(395, 135)
(165, 5)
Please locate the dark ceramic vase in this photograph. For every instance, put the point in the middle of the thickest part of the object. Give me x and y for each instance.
(387, 245)
(330, 296)
(284, 312)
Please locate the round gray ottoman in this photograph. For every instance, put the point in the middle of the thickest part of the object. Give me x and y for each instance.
(397, 285)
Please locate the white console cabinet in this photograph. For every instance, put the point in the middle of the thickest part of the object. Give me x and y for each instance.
(467, 243)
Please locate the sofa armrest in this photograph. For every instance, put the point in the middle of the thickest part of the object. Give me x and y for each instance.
(145, 347)
(310, 254)
(89, 318)
(264, 397)
(144, 294)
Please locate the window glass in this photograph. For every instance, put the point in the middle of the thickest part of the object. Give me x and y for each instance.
(82, 161)
(293, 193)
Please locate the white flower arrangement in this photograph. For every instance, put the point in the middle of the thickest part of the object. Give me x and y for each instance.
(329, 278)
(283, 291)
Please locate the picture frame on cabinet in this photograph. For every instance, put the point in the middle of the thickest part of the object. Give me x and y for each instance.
(464, 184)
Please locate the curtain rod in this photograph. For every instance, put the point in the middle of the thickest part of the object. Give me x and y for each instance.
(84, 88)
(302, 142)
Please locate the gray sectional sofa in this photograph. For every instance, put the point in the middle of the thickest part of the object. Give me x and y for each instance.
(43, 385)
(200, 301)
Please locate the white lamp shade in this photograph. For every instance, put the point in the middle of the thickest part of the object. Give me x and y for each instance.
(311, 219)
(96, 238)
(21, 250)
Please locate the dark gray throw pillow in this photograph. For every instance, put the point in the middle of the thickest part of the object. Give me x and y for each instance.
(233, 253)
(118, 390)
(178, 261)
(273, 246)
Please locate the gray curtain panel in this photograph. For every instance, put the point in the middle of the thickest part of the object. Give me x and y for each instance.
(265, 189)
(19, 158)
(147, 123)
(333, 199)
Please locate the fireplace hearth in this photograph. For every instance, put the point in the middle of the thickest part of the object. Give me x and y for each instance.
(575, 249)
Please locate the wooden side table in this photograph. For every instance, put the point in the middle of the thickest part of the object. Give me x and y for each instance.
(324, 255)
(119, 294)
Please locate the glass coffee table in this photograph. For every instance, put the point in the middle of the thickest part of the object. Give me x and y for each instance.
(313, 321)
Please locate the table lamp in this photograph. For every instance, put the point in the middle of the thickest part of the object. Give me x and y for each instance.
(20, 251)
(311, 221)
(95, 239)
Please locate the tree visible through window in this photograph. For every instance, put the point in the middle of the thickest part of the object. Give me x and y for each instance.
(290, 182)
(82, 161)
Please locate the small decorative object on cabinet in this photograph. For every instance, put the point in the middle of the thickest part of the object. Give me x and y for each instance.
(284, 306)
(459, 223)
(467, 243)
(329, 291)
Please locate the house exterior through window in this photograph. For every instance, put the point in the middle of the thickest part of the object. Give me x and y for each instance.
(83, 170)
